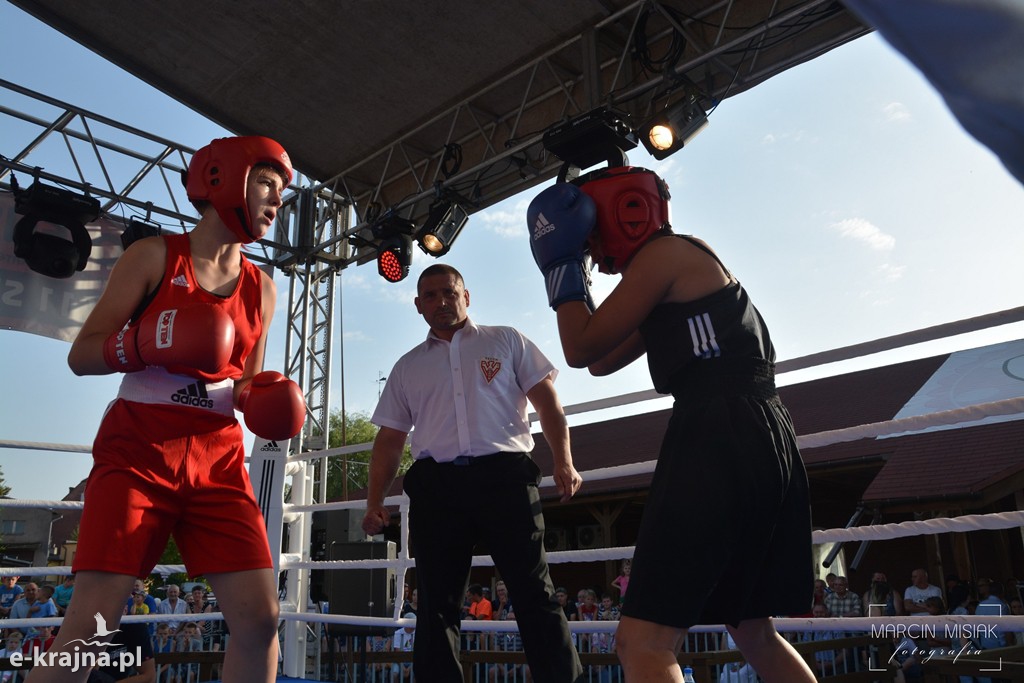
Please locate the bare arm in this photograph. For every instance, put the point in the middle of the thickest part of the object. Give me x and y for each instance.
(384, 461)
(665, 270)
(254, 363)
(556, 432)
(136, 273)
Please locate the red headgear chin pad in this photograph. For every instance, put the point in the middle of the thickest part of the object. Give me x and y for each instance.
(218, 173)
(632, 204)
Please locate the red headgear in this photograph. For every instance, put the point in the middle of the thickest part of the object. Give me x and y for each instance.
(218, 174)
(632, 204)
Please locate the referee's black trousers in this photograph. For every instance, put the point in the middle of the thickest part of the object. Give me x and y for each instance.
(452, 507)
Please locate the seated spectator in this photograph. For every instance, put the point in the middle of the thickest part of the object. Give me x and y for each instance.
(500, 605)
(32, 606)
(188, 639)
(562, 597)
(992, 605)
(917, 592)
(586, 610)
(827, 662)
(9, 592)
(40, 642)
(607, 610)
(881, 599)
(508, 641)
(138, 604)
(479, 608)
(11, 644)
(134, 639)
(171, 606)
(737, 672)
(403, 642)
(908, 656)
(62, 594)
(842, 602)
(163, 643)
(1016, 607)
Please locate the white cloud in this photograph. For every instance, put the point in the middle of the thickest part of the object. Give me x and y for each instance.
(889, 272)
(768, 139)
(507, 223)
(354, 279)
(355, 336)
(863, 231)
(897, 112)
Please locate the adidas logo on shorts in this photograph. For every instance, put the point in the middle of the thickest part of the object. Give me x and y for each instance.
(193, 395)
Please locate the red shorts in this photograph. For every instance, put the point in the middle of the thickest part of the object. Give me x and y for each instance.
(167, 470)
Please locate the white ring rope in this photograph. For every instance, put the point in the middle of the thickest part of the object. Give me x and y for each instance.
(877, 532)
(1010, 406)
(939, 525)
(782, 624)
(975, 324)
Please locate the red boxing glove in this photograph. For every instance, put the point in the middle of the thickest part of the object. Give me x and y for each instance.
(198, 338)
(273, 406)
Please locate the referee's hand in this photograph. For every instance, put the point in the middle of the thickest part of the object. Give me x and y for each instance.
(375, 520)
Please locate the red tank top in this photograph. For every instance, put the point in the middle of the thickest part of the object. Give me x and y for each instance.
(179, 289)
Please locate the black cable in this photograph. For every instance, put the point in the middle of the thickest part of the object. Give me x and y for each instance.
(641, 49)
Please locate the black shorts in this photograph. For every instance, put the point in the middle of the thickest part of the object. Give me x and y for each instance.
(726, 532)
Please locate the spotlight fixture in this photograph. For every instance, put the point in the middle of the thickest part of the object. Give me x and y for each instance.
(46, 253)
(138, 229)
(394, 256)
(674, 127)
(599, 135)
(445, 221)
(394, 251)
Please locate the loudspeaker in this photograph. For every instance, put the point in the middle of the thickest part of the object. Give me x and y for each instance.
(362, 592)
(356, 592)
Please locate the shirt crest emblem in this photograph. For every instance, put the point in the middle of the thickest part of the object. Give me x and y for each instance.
(490, 368)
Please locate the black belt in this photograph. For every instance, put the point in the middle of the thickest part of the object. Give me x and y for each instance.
(469, 460)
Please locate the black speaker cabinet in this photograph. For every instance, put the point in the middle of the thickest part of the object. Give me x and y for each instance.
(355, 592)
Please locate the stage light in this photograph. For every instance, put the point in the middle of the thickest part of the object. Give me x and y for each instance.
(394, 246)
(599, 135)
(445, 221)
(44, 252)
(138, 229)
(669, 131)
(394, 256)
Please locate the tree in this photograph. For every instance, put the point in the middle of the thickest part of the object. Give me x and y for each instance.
(349, 473)
(5, 490)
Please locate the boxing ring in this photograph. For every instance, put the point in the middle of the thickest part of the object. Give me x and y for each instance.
(272, 468)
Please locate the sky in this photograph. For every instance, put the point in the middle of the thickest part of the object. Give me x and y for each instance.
(841, 193)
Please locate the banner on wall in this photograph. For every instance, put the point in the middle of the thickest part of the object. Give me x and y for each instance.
(52, 307)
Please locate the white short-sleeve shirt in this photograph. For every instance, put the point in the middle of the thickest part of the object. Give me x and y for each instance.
(466, 397)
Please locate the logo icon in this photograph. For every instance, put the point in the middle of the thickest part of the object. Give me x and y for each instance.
(165, 328)
(101, 632)
(193, 395)
(180, 281)
(541, 227)
(490, 368)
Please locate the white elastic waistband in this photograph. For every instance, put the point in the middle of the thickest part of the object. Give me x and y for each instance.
(156, 385)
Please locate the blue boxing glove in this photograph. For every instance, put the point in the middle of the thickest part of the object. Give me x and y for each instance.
(560, 219)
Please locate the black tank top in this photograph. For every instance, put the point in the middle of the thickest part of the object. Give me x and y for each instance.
(721, 333)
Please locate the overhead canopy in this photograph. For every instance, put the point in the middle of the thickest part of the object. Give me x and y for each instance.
(367, 95)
